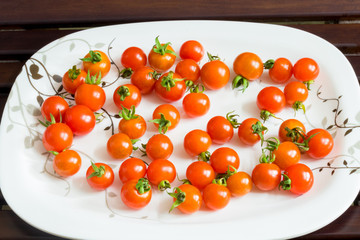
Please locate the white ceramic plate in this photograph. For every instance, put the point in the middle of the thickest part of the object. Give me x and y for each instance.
(70, 208)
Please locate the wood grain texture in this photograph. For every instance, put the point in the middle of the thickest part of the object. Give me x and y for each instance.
(89, 11)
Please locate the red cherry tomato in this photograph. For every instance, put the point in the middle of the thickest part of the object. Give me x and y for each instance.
(144, 79)
(251, 131)
(90, 95)
(67, 163)
(192, 49)
(188, 69)
(286, 154)
(100, 176)
(291, 130)
(96, 62)
(281, 70)
(132, 124)
(270, 99)
(215, 74)
(160, 170)
(80, 119)
(54, 105)
(223, 158)
(159, 146)
(196, 142)
(220, 129)
(196, 104)
(306, 69)
(57, 137)
(200, 174)
(239, 184)
(187, 198)
(295, 94)
(73, 78)
(162, 56)
(321, 144)
(248, 65)
(136, 194)
(170, 87)
(167, 116)
(119, 146)
(216, 196)
(127, 95)
(266, 176)
(132, 169)
(133, 58)
(301, 179)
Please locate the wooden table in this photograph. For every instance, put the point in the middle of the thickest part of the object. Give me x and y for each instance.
(26, 26)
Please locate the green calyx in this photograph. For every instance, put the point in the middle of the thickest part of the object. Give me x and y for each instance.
(93, 80)
(94, 57)
(269, 64)
(212, 57)
(265, 115)
(258, 129)
(126, 73)
(232, 119)
(169, 81)
(98, 171)
(163, 185)
(162, 48)
(298, 105)
(52, 120)
(128, 114)
(220, 181)
(195, 88)
(230, 171)
(308, 83)
(155, 75)
(267, 155)
(304, 146)
(163, 123)
(123, 92)
(285, 184)
(179, 196)
(74, 72)
(240, 83)
(204, 156)
(295, 134)
(143, 185)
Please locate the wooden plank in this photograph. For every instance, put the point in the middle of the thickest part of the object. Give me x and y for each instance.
(8, 72)
(26, 12)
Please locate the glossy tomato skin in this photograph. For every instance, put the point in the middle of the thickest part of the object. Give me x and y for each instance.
(216, 196)
(223, 158)
(100, 182)
(302, 178)
(290, 124)
(119, 146)
(192, 49)
(193, 199)
(161, 63)
(271, 99)
(188, 69)
(102, 66)
(80, 119)
(134, 128)
(159, 146)
(160, 170)
(321, 144)
(281, 71)
(215, 74)
(196, 142)
(248, 65)
(306, 69)
(286, 154)
(132, 169)
(69, 84)
(57, 137)
(239, 184)
(54, 105)
(220, 130)
(246, 133)
(134, 58)
(266, 176)
(133, 97)
(143, 78)
(200, 174)
(295, 91)
(90, 95)
(173, 94)
(67, 163)
(196, 104)
(170, 112)
(131, 196)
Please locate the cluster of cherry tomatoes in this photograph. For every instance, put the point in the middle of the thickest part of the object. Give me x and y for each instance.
(214, 178)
